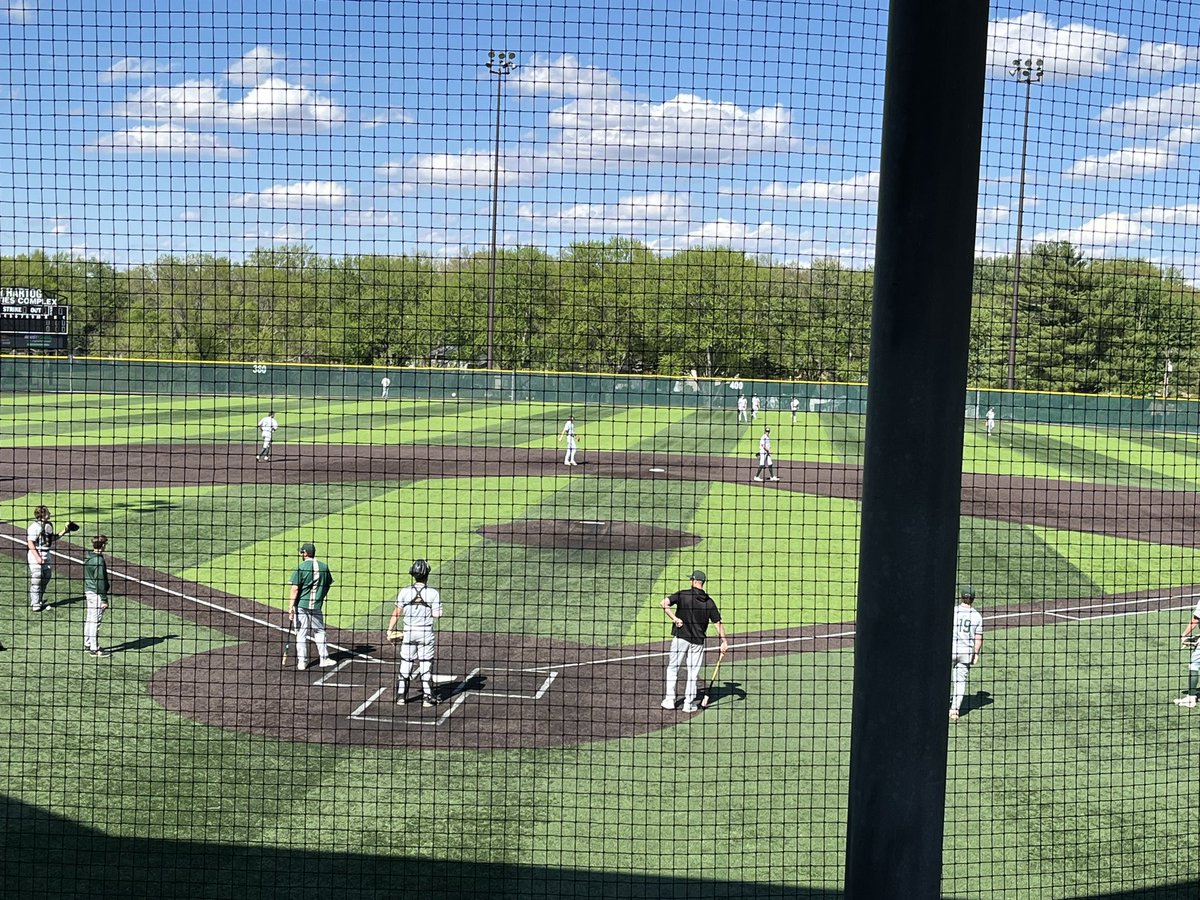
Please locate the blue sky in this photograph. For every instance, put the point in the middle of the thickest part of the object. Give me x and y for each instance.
(134, 133)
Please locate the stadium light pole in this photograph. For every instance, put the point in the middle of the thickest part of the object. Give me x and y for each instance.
(501, 64)
(1027, 72)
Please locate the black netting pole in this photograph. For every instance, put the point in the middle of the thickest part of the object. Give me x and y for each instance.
(929, 170)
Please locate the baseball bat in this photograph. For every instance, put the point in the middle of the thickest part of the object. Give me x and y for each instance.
(291, 637)
(712, 681)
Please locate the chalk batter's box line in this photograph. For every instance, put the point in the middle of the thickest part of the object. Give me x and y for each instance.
(460, 696)
(327, 680)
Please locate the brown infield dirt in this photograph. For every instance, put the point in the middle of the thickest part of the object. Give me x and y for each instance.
(497, 690)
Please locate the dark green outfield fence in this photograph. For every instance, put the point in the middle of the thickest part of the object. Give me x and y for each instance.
(36, 374)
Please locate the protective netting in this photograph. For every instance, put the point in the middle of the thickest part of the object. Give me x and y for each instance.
(572, 302)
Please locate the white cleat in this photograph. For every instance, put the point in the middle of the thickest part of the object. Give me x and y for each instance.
(1189, 701)
(690, 707)
(302, 665)
(327, 663)
(758, 478)
(667, 704)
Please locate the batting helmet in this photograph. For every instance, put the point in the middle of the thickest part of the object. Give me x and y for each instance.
(420, 570)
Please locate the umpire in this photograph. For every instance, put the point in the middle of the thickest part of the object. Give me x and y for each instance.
(694, 610)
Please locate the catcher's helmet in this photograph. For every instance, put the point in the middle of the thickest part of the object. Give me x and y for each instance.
(420, 570)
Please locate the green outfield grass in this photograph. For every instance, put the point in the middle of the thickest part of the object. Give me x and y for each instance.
(1066, 775)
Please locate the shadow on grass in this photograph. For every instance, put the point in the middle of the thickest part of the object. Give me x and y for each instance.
(141, 643)
(46, 855)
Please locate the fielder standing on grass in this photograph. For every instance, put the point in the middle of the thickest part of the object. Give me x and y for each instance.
(568, 432)
(966, 646)
(268, 426)
(40, 537)
(95, 592)
(419, 605)
(1190, 639)
(310, 583)
(694, 609)
(795, 407)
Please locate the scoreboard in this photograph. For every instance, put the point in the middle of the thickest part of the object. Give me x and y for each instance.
(31, 320)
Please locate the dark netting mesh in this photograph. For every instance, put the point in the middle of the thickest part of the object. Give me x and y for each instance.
(573, 302)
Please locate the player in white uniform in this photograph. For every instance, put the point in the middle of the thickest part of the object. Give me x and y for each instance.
(764, 457)
(755, 407)
(568, 432)
(742, 415)
(386, 384)
(1189, 699)
(420, 605)
(991, 421)
(268, 426)
(795, 407)
(966, 646)
(40, 536)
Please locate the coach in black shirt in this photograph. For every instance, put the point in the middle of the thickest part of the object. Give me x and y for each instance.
(693, 611)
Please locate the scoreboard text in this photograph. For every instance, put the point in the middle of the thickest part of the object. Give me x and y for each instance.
(31, 320)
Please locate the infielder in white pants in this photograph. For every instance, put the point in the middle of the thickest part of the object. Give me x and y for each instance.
(966, 646)
(694, 610)
(419, 605)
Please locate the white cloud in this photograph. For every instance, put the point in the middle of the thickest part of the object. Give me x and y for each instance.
(1188, 214)
(298, 195)
(21, 13)
(254, 67)
(563, 76)
(131, 68)
(1107, 232)
(58, 225)
(373, 218)
(465, 170)
(993, 214)
(275, 105)
(281, 234)
(388, 116)
(1130, 162)
(635, 214)
(686, 129)
(1167, 57)
(765, 239)
(1176, 106)
(165, 139)
(1136, 162)
(1071, 51)
(864, 187)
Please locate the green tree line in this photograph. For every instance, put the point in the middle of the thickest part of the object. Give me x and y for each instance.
(1091, 326)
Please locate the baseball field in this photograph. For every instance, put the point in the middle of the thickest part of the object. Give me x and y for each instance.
(193, 763)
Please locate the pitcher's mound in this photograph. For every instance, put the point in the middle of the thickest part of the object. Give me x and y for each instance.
(588, 534)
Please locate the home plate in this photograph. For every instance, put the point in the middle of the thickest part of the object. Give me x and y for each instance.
(657, 469)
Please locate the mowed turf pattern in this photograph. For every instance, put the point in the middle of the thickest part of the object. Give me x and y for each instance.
(1065, 773)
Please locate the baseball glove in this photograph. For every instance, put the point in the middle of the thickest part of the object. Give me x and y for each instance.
(395, 635)
(71, 526)
(1191, 641)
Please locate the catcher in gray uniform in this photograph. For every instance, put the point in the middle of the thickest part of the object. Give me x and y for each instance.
(419, 604)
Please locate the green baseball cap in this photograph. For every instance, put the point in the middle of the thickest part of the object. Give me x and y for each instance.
(967, 591)
(699, 576)
(308, 549)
